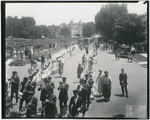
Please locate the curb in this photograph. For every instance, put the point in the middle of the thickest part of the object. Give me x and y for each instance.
(139, 62)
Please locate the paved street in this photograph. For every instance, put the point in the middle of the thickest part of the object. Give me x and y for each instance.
(137, 83)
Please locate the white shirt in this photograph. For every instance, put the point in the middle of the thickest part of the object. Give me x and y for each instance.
(75, 100)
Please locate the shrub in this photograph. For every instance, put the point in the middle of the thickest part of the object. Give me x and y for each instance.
(19, 62)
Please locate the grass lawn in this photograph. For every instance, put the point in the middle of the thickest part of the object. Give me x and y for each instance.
(139, 58)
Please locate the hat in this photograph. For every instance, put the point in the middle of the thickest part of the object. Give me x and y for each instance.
(14, 72)
(49, 77)
(75, 91)
(106, 72)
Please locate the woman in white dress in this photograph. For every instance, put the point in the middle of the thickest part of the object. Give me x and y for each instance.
(99, 82)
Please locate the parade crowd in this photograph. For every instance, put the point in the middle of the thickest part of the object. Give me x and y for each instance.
(69, 108)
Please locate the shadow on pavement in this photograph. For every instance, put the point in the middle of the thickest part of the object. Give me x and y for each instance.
(118, 116)
(119, 95)
(100, 100)
(98, 96)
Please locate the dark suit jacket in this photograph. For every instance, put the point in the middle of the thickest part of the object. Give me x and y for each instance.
(123, 79)
(73, 107)
(63, 94)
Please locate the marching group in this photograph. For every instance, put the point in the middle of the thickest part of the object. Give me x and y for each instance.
(81, 99)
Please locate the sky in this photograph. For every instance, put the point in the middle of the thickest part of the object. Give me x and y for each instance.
(57, 13)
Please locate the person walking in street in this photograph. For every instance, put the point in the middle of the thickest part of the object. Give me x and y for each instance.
(50, 84)
(129, 57)
(32, 105)
(42, 61)
(106, 86)
(87, 49)
(43, 96)
(15, 80)
(123, 82)
(61, 66)
(63, 94)
(82, 88)
(84, 60)
(116, 57)
(99, 82)
(76, 104)
(79, 70)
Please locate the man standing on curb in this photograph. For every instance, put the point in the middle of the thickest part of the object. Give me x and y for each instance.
(123, 82)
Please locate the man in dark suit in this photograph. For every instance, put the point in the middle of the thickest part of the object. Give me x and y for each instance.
(50, 84)
(123, 82)
(76, 104)
(15, 80)
(63, 94)
(43, 95)
(32, 105)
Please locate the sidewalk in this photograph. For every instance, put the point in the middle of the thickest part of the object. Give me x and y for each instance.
(141, 59)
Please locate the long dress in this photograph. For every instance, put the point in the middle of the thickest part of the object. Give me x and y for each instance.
(99, 84)
(106, 81)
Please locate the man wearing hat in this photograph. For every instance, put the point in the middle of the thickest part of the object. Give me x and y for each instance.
(79, 70)
(76, 104)
(15, 80)
(123, 82)
(50, 105)
(42, 61)
(63, 94)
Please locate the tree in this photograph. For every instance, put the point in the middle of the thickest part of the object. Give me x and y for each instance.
(11, 23)
(53, 29)
(88, 29)
(16, 27)
(65, 31)
(129, 29)
(105, 19)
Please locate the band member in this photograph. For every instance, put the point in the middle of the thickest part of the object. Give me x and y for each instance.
(50, 84)
(106, 86)
(32, 105)
(82, 88)
(15, 80)
(123, 82)
(26, 93)
(50, 105)
(23, 84)
(63, 94)
(42, 61)
(76, 104)
(43, 96)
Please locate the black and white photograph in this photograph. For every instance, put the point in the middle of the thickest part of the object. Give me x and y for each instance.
(65, 59)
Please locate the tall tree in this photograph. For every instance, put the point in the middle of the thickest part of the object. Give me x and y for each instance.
(88, 29)
(129, 29)
(65, 31)
(105, 19)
